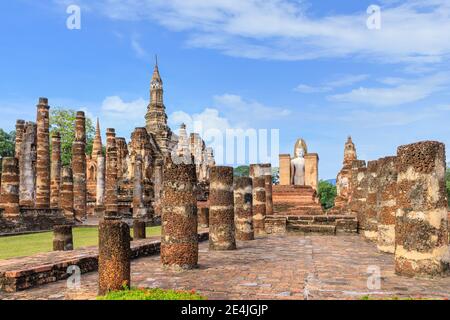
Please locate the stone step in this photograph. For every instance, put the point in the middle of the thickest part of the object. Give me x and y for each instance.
(312, 228)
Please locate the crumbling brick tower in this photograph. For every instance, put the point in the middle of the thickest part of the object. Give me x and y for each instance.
(221, 210)
(370, 225)
(386, 204)
(421, 221)
(243, 214)
(179, 239)
(79, 167)
(43, 155)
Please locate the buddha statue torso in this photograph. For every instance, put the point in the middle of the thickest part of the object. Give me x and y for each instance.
(298, 164)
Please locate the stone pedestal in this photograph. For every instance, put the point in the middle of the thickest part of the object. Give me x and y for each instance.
(259, 205)
(139, 231)
(66, 194)
(243, 214)
(285, 169)
(43, 156)
(203, 217)
(114, 256)
(421, 220)
(386, 204)
(179, 237)
(55, 172)
(62, 238)
(9, 195)
(221, 210)
(370, 227)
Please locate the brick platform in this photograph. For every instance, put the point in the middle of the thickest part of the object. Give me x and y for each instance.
(295, 200)
(24, 273)
(273, 267)
(312, 224)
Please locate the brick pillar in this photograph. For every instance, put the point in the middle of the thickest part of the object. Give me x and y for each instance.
(114, 269)
(100, 193)
(111, 188)
(221, 209)
(138, 192)
(20, 130)
(370, 222)
(243, 214)
(79, 166)
(27, 165)
(387, 204)
(9, 195)
(179, 239)
(203, 217)
(269, 199)
(421, 220)
(285, 170)
(43, 156)
(359, 192)
(55, 171)
(66, 194)
(139, 231)
(259, 205)
(62, 238)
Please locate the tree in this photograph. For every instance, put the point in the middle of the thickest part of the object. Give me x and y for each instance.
(327, 194)
(63, 121)
(242, 171)
(7, 145)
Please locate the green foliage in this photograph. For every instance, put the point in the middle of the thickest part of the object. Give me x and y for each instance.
(7, 145)
(327, 194)
(242, 171)
(63, 121)
(152, 294)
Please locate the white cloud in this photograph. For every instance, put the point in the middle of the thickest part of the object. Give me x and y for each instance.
(341, 81)
(137, 47)
(412, 31)
(114, 106)
(401, 91)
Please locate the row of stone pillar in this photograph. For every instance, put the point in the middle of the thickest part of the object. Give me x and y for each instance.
(401, 205)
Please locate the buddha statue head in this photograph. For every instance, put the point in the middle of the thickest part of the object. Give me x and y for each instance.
(300, 149)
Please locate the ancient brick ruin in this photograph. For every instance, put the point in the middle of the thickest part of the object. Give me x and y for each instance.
(243, 212)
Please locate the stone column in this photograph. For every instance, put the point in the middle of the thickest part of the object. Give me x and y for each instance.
(243, 214)
(358, 196)
(179, 237)
(111, 188)
(66, 194)
(386, 204)
(55, 172)
(312, 170)
(43, 156)
(421, 220)
(100, 193)
(79, 166)
(114, 268)
(203, 217)
(138, 192)
(139, 231)
(259, 205)
(370, 222)
(62, 238)
(9, 195)
(221, 209)
(27, 164)
(269, 199)
(20, 130)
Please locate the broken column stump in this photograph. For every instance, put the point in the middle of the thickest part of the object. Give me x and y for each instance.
(114, 256)
(243, 213)
(139, 231)
(221, 210)
(62, 238)
(421, 220)
(179, 237)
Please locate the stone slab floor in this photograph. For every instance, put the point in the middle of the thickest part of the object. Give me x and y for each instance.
(273, 267)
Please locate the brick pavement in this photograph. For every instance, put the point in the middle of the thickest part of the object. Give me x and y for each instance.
(273, 267)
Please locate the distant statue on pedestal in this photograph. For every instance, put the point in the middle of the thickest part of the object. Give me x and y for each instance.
(298, 163)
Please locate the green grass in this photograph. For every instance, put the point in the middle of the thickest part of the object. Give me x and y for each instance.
(152, 294)
(25, 245)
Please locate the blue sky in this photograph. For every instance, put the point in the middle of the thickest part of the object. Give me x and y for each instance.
(309, 68)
